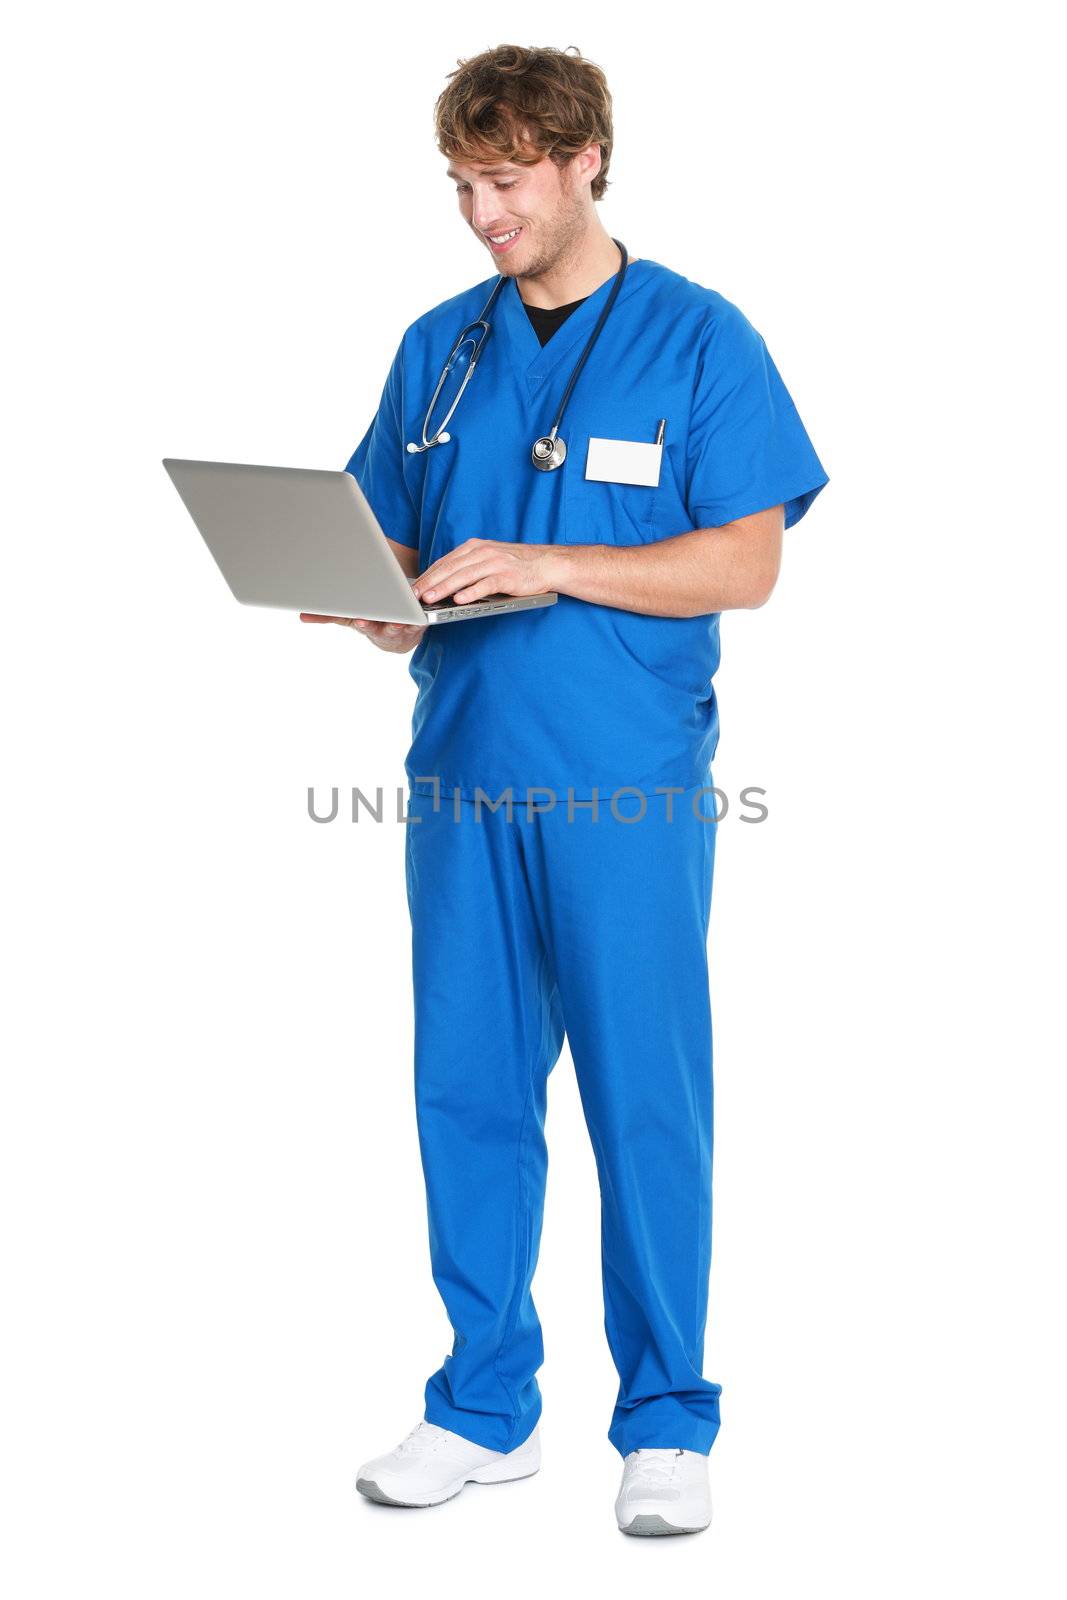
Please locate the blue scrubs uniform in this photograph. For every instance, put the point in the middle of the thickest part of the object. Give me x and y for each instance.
(582, 907)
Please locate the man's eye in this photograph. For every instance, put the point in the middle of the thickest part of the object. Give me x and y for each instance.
(510, 185)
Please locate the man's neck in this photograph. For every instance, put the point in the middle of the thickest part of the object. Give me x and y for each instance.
(575, 275)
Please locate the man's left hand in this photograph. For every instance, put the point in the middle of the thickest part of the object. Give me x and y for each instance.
(478, 567)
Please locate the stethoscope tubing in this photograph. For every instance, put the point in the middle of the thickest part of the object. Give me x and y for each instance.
(584, 357)
(548, 451)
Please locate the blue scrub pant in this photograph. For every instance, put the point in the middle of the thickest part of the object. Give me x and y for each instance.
(524, 929)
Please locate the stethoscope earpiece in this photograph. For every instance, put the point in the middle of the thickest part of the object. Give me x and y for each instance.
(418, 449)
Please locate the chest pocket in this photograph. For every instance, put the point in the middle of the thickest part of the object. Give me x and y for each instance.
(601, 512)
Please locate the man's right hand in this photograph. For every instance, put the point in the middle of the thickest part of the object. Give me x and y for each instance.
(396, 637)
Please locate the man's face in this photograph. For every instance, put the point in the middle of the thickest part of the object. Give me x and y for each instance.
(526, 217)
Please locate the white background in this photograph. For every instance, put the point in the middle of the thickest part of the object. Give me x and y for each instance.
(215, 1258)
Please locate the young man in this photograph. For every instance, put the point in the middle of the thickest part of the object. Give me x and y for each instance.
(577, 900)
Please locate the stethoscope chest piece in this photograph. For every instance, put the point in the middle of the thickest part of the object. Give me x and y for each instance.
(548, 453)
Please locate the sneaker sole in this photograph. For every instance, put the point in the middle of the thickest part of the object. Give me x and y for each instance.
(368, 1487)
(652, 1524)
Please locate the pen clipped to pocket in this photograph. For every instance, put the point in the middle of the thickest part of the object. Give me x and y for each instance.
(626, 460)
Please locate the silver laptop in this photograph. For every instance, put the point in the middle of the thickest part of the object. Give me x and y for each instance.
(303, 540)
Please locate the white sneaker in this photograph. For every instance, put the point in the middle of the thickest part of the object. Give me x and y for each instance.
(664, 1491)
(432, 1465)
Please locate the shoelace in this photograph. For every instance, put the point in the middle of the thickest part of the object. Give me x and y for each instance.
(657, 1467)
(424, 1436)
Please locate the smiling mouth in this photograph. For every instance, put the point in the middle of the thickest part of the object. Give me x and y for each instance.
(502, 241)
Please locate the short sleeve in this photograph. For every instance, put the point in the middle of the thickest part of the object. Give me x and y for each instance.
(377, 464)
(747, 448)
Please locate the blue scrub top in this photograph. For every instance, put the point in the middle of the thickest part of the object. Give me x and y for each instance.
(577, 696)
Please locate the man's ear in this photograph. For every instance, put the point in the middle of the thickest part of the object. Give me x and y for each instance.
(589, 161)
(584, 165)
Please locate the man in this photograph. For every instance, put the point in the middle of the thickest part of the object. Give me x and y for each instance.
(577, 899)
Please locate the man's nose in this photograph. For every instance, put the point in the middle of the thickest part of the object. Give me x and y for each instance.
(485, 213)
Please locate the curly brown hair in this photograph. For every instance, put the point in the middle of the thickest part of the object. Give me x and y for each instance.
(517, 104)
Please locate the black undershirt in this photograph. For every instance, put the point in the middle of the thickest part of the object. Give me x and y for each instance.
(547, 319)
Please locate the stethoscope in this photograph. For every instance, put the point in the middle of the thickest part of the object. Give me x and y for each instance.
(550, 451)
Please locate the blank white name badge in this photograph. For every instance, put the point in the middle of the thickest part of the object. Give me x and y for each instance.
(624, 461)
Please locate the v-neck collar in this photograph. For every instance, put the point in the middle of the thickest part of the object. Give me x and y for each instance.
(534, 361)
